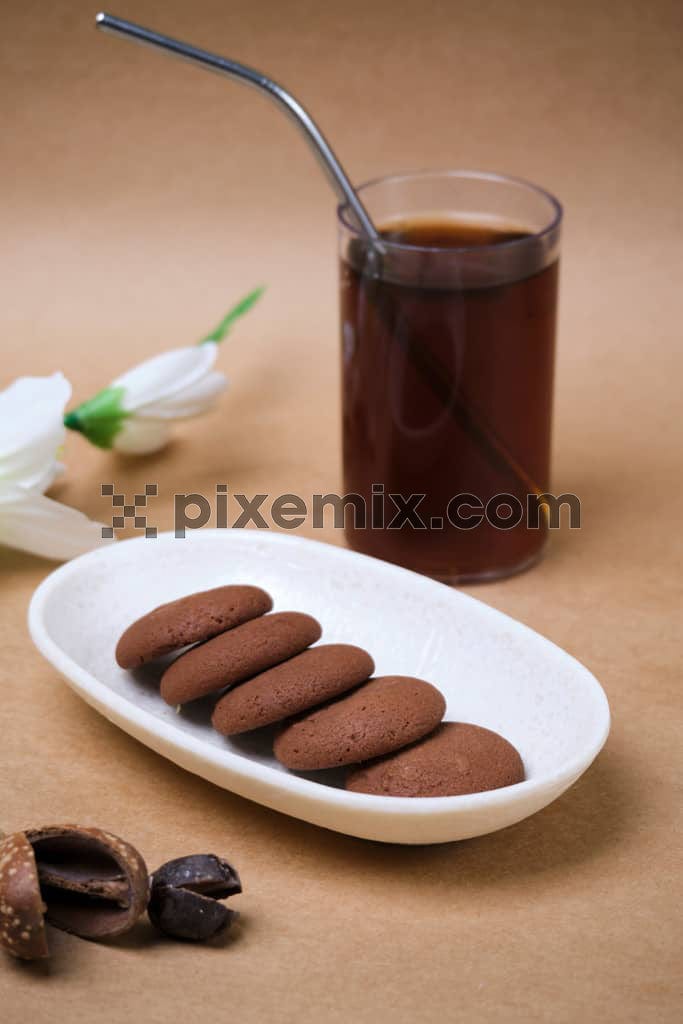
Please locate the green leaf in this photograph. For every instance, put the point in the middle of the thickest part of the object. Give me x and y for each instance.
(100, 418)
(242, 307)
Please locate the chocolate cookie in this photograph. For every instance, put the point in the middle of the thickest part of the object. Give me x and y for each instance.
(383, 715)
(189, 620)
(456, 759)
(309, 679)
(237, 655)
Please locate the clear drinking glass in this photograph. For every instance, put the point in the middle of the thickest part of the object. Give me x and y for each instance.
(448, 341)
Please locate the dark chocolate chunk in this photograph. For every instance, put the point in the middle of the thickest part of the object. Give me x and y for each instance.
(200, 872)
(182, 914)
(184, 902)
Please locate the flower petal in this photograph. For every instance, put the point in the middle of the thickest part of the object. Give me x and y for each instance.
(32, 522)
(29, 401)
(165, 375)
(31, 429)
(192, 401)
(140, 436)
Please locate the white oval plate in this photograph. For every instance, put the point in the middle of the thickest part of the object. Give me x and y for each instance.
(493, 671)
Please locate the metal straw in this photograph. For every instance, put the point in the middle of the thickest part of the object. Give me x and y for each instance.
(315, 138)
(435, 375)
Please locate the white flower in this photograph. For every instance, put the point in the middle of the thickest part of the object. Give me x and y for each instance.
(31, 434)
(135, 412)
(31, 430)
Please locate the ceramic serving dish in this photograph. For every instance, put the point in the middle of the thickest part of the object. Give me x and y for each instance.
(493, 671)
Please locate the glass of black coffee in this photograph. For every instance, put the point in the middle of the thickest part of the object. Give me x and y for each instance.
(448, 341)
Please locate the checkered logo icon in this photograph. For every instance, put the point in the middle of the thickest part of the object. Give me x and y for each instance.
(124, 512)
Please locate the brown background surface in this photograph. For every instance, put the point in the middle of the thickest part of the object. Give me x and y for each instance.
(139, 198)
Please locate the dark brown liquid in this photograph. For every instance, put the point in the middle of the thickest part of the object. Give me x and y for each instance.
(447, 389)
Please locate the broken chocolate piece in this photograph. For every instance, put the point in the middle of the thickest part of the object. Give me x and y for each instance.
(184, 901)
(82, 880)
(22, 929)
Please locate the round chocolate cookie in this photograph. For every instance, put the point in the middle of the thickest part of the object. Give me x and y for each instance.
(456, 759)
(309, 679)
(383, 715)
(237, 655)
(189, 620)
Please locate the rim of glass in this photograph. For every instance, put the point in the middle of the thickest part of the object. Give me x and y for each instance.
(506, 179)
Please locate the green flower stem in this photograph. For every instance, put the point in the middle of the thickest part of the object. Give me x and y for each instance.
(242, 307)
